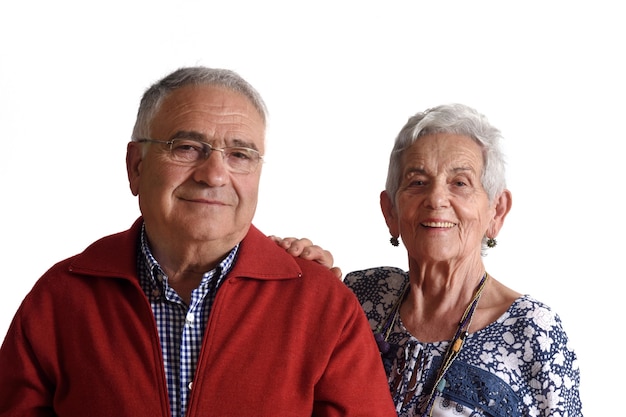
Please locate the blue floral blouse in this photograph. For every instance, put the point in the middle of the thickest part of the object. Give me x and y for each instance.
(519, 365)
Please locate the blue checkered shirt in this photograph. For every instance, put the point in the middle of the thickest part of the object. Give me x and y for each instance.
(180, 326)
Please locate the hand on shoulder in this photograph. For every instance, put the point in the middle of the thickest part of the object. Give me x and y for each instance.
(305, 249)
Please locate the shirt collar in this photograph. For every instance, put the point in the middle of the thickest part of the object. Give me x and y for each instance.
(155, 269)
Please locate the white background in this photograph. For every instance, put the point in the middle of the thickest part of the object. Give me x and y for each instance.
(340, 79)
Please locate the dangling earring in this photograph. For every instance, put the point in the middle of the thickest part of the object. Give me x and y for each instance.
(394, 241)
(491, 242)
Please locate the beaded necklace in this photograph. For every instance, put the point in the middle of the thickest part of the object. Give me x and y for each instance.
(455, 346)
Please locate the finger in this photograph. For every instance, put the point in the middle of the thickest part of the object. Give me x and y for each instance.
(299, 246)
(283, 242)
(314, 252)
(275, 239)
(337, 271)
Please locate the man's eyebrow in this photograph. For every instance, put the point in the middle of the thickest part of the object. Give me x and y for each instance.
(193, 135)
(189, 134)
(242, 143)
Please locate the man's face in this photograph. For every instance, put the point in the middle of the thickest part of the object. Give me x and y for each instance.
(203, 203)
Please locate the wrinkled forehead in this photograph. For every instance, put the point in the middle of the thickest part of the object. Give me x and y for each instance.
(444, 149)
(213, 113)
(211, 97)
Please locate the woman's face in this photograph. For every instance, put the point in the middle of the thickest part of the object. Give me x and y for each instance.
(442, 211)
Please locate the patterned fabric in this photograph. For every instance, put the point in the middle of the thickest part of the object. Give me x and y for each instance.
(180, 327)
(520, 365)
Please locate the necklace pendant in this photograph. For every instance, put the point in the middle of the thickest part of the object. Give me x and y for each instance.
(383, 345)
(441, 385)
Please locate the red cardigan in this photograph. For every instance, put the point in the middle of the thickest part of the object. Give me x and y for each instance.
(284, 338)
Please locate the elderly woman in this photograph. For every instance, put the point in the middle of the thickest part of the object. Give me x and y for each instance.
(453, 339)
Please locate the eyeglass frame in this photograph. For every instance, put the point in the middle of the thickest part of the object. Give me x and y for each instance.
(205, 146)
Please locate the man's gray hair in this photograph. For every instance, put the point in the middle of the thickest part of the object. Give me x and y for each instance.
(153, 97)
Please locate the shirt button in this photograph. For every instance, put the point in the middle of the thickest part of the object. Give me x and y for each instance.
(190, 386)
(190, 318)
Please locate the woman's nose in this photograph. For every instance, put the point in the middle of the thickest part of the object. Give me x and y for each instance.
(437, 195)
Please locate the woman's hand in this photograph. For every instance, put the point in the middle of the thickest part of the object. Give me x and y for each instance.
(305, 249)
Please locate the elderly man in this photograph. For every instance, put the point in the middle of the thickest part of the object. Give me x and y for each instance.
(192, 311)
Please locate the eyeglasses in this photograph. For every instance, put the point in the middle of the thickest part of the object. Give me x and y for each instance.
(238, 159)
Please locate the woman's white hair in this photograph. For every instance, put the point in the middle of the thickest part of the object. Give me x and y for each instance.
(457, 119)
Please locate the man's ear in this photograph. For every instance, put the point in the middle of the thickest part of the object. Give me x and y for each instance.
(134, 156)
(502, 207)
(389, 212)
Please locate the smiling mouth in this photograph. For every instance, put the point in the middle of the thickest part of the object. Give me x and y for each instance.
(439, 225)
(202, 200)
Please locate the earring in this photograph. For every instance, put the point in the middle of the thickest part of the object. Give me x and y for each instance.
(394, 241)
(491, 242)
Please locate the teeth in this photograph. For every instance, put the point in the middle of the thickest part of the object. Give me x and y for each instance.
(439, 224)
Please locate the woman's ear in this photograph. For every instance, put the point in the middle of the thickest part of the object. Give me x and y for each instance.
(502, 207)
(389, 212)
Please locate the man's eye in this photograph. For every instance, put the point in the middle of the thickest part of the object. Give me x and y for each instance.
(240, 153)
(187, 147)
(187, 150)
